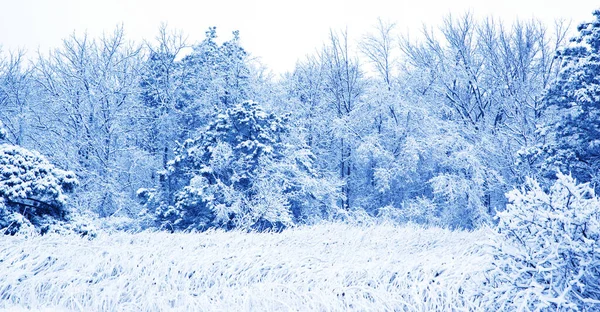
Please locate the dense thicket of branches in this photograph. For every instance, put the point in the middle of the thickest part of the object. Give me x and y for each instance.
(434, 130)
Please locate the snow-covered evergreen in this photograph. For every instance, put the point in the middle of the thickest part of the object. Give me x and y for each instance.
(239, 172)
(573, 102)
(32, 190)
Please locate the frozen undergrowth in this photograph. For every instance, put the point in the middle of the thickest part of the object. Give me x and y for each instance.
(329, 267)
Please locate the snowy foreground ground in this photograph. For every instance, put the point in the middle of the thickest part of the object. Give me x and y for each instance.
(331, 267)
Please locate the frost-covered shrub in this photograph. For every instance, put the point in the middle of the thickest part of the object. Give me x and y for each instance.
(32, 190)
(547, 252)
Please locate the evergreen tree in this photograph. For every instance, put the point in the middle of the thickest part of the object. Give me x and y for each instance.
(573, 136)
(239, 172)
(216, 77)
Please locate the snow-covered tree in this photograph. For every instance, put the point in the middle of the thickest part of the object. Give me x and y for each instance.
(344, 87)
(181, 90)
(309, 111)
(88, 111)
(216, 77)
(546, 251)
(15, 97)
(239, 172)
(573, 133)
(479, 85)
(160, 87)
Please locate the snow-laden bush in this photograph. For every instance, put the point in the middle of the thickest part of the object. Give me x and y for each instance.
(547, 252)
(32, 190)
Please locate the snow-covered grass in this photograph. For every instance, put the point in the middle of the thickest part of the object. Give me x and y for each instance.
(327, 267)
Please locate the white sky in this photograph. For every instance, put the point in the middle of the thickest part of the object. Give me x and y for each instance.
(280, 32)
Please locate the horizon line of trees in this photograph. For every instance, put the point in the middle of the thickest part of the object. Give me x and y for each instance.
(435, 130)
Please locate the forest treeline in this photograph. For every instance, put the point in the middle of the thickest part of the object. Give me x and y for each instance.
(434, 128)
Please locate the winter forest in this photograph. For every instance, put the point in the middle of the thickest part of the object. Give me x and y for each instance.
(452, 169)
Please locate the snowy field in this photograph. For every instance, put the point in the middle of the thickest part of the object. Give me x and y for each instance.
(332, 267)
